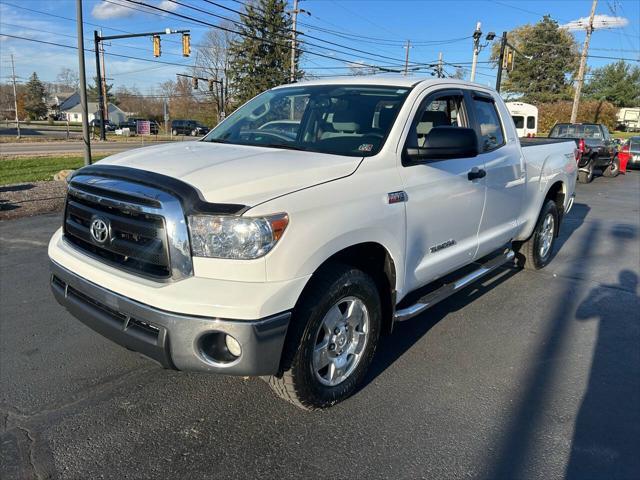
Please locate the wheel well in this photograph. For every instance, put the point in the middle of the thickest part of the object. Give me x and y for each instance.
(556, 193)
(373, 259)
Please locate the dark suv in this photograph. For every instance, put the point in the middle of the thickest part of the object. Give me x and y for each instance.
(109, 126)
(597, 148)
(188, 127)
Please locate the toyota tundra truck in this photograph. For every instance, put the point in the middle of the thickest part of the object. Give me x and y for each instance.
(285, 242)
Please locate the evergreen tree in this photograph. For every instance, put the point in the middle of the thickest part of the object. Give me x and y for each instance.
(554, 58)
(34, 104)
(260, 58)
(92, 92)
(618, 83)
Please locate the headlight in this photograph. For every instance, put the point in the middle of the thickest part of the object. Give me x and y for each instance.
(241, 238)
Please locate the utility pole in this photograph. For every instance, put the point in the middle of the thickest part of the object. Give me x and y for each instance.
(503, 46)
(83, 85)
(96, 42)
(406, 57)
(440, 69)
(583, 63)
(477, 34)
(105, 99)
(292, 77)
(15, 95)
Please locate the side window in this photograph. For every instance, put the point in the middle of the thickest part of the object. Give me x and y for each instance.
(519, 122)
(490, 129)
(441, 111)
(531, 122)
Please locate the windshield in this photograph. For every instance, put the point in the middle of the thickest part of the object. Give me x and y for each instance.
(576, 131)
(337, 119)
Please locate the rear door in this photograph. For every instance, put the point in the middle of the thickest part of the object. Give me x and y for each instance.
(443, 206)
(505, 180)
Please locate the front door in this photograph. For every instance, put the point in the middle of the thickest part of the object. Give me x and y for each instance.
(443, 206)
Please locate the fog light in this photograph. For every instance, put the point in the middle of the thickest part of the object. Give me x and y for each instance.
(232, 345)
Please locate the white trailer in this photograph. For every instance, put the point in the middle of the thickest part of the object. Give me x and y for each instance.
(629, 119)
(525, 117)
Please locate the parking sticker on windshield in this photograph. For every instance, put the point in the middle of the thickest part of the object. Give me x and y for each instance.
(365, 147)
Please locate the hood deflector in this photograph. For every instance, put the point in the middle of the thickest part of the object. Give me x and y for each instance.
(189, 196)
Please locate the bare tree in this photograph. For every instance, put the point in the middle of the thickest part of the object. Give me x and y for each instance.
(213, 61)
(359, 68)
(68, 79)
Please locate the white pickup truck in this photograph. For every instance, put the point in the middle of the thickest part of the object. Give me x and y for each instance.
(294, 234)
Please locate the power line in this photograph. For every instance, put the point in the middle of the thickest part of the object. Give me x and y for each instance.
(93, 50)
(220, 27)
(284, 36)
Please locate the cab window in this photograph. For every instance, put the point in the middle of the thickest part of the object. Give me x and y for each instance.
(490, 135)
(441, 111)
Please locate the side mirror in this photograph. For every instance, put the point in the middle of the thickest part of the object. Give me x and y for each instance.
(445, 142)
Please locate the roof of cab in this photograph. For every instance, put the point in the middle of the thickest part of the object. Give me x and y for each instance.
(379, 80)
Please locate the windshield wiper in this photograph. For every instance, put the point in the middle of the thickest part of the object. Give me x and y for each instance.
(282, 145)
(216, 140)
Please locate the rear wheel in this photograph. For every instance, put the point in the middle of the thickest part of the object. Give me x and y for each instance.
(332, 339)
(535, 253)
(585, 176)
(613, 170)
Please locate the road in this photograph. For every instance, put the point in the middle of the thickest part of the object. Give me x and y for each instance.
(48, 148)
(531, 375)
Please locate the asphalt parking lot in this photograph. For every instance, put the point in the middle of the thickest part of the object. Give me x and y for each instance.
(526, 375)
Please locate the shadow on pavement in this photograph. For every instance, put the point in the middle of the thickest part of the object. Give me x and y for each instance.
(513, 447)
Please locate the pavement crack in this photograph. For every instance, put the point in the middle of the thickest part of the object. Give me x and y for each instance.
(32, 455)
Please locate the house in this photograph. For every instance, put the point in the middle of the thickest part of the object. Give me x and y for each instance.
(74, 114)
(59, 102)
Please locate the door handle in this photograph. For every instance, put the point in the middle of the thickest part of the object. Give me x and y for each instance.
(476, 172)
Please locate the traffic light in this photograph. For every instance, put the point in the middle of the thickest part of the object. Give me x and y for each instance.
(508, 59)
(156, 46)
(211, 85)
(194, 83)
(186, 44)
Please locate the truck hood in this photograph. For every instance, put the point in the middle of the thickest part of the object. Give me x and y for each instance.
(237, 173)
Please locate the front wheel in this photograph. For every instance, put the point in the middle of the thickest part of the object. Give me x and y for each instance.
(613, 170)
(535, 253)
(333, 337)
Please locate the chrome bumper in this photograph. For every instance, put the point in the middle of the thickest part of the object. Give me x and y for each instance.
(175, 341)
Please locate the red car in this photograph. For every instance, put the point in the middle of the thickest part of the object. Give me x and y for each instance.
(629, 154)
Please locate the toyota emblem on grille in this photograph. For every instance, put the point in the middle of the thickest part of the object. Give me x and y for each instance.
(99, 230)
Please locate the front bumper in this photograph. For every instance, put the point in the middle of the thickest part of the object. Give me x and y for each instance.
(183, 342)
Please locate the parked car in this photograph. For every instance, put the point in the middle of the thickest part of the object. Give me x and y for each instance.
(188, 127)
(629, 154)
(597, 148)
(109, 126)
(250, 253)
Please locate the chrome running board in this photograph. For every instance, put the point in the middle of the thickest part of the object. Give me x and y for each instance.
(448, 289)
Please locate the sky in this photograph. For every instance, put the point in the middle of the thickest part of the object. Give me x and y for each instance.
(431, 26)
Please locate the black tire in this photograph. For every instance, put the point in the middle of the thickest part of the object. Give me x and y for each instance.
(529, 253)
(299, 384)
(586, 177)
(612, 170)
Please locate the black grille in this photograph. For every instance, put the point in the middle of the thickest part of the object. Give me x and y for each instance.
(136, 241)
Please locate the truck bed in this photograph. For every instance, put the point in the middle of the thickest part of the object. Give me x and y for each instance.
(536, 141)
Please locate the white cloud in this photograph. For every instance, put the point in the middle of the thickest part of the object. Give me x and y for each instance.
(107, 10)
(168, 5)
(119, 9)
(599, 22)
